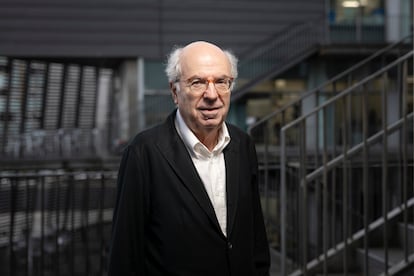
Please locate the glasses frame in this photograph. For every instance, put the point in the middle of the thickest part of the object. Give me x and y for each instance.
(190, 83)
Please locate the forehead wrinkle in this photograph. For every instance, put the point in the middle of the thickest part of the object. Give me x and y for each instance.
(196, 76)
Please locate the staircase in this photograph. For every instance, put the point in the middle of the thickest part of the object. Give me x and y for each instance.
(277, 54)
(338, 193)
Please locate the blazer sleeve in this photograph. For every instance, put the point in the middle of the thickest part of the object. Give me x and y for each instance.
(126, 256)
(261, 245)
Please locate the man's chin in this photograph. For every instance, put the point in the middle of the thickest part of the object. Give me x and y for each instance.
(211, 123)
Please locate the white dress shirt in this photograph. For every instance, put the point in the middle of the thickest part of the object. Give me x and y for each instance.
(210, 166)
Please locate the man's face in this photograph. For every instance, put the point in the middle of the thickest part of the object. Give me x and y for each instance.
(203, 111)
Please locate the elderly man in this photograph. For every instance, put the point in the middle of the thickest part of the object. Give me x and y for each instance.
(188, 200)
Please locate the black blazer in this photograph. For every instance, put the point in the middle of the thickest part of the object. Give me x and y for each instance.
(164, 222)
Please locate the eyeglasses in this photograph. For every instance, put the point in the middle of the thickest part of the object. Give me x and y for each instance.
(198, 85)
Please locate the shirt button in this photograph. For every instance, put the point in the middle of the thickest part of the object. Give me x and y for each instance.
(229, 245)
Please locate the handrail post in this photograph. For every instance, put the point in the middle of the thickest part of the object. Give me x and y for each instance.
(304, 200)
(283, 195)
(385, 167)
(365, 181)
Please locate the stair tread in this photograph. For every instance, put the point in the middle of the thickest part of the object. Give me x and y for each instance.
(395, 255)
(339, 274)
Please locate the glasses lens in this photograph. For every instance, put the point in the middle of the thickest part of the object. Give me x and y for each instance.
(222, 85)
(198, 86)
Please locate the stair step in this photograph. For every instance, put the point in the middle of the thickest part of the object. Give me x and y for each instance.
(338, 274)
(275, 262)
(377, 258)
(410, 233)
(395, 255)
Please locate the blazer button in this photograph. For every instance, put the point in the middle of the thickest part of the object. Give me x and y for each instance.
(229, 245)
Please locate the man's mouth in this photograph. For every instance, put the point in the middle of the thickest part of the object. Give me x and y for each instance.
(209, 113)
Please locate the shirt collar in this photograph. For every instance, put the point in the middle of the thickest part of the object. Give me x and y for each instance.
(191, 141)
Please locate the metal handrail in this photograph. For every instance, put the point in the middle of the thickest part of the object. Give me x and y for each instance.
(341, 75)
(258, 47)
(347, 91)
(392, 214)
(50, 218)
(279, 43)
(356, 149)
(329, 164)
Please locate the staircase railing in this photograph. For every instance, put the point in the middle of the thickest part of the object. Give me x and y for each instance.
(55, 222)
(351, 75)
(277, 54)
(266, 132)
(348, 177)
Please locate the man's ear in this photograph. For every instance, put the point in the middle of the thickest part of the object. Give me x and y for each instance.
(173, 88)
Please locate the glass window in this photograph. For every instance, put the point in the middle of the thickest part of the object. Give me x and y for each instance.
(357, 21)
(370, 12)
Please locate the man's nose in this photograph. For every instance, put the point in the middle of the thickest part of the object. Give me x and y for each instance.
(211, 91)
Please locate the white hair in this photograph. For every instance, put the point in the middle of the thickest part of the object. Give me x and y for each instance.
(173, 67)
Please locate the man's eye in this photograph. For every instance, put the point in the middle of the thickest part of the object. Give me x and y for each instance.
(221, 81)
(197, 82)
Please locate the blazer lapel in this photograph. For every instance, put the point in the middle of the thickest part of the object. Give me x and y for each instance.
(176, 153)
(231, 157)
